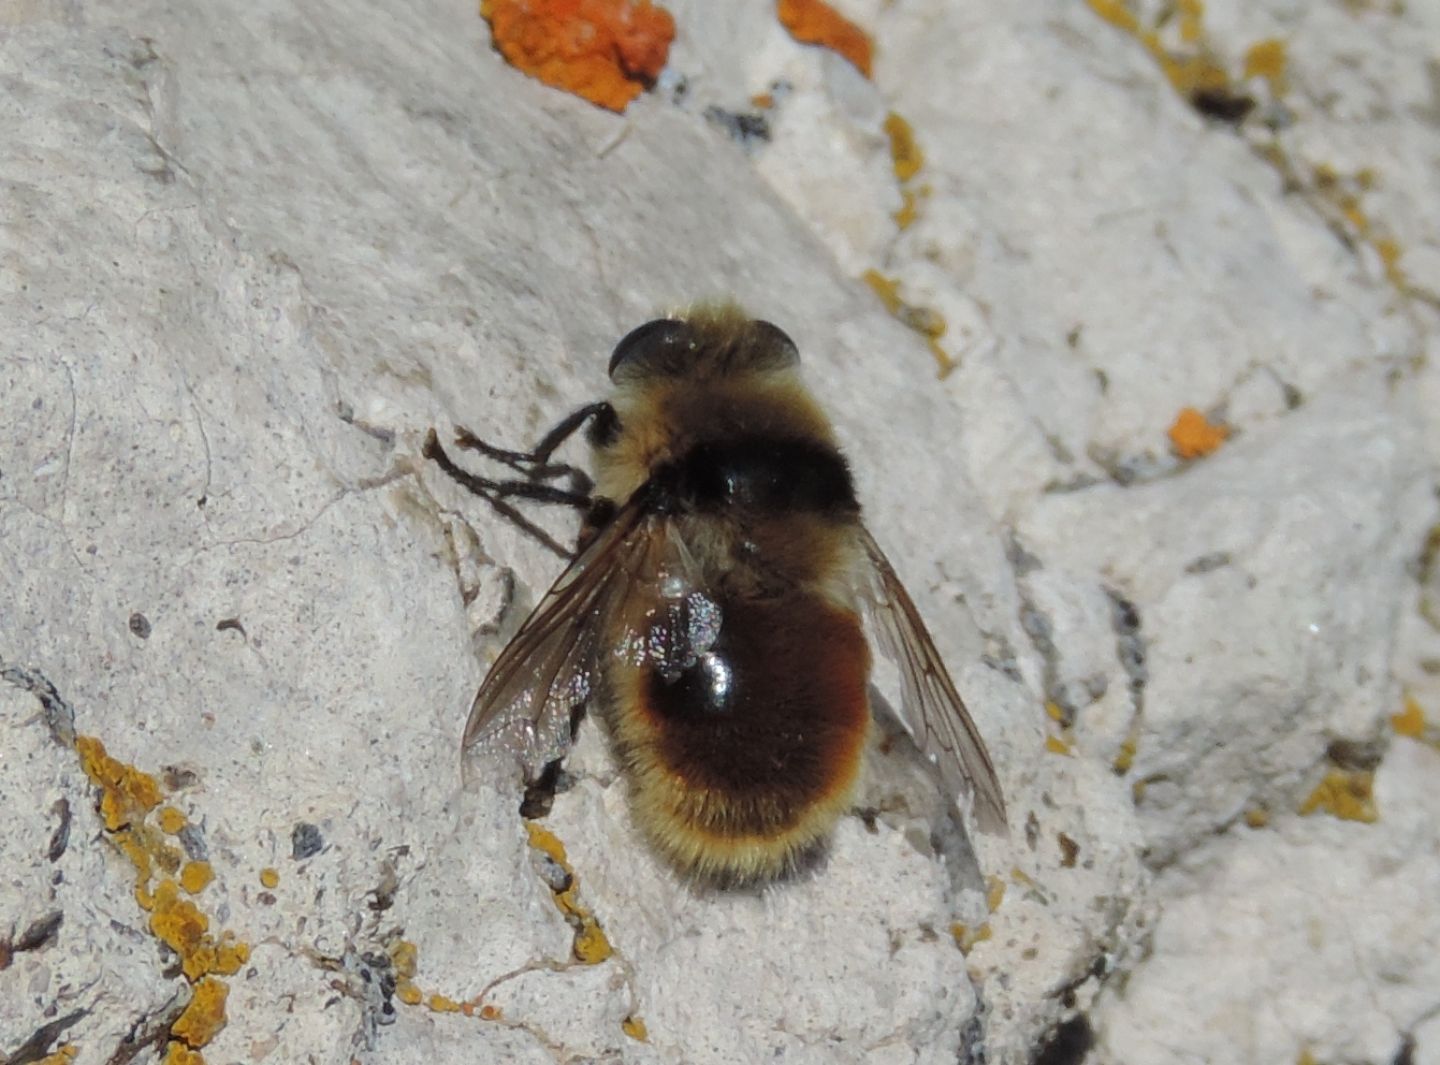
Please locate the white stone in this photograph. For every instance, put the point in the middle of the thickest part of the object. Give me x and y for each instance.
(249, 255)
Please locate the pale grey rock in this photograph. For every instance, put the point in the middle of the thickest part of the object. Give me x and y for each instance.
(1312, 935)
(250, 254)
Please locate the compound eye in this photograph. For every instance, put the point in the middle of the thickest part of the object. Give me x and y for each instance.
(776, 342)
(650, 346)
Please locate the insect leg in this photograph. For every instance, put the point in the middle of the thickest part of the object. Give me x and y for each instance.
(535, 464)
(496, 493)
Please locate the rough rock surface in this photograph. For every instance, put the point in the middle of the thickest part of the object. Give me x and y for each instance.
(251, 253)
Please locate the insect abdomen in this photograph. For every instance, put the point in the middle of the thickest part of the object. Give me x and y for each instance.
(742, 764)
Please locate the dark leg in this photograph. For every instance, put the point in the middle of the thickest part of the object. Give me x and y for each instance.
(535, 464)
(498, 493)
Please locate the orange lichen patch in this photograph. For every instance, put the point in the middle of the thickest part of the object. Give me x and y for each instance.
(204, 1016)
(1348, 794)
(1055, 745)
(1410, 721)
(126, 793)
(816, 22)
(923, 320)
(269, 878)
(966, 937)
(606, 51)
(195, 877)
(490, 1013)
(1192, 435)
(635, 1028)
(170, 820)
(1266, 59)
(905, 153)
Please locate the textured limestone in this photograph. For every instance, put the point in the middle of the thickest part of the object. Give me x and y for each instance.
(249, 255)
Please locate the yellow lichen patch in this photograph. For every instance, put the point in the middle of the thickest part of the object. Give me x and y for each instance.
(994, 892)
(269, 878)
(1266, 59)
(816, 22)
(923, 320)
(635, 1028)
(180, 925)
(442, 1004)
(167, 858)
(1021, 877)
(591, 944)
(127, 798)
(906, 160)
(195, 877)
(1055, 745)
(1410, 721)
(1192, 435)
(1125, 757)
(909, 207)
(905, 154)
(63, 1055)
(204, 1016)
(1116, 13)
(966, 937)
(405, 957)
(1348, 794)
(1257, 817)
(545, 841)
(1389, 251)
(1306, 1058)
(1054, 711)
(126, 793)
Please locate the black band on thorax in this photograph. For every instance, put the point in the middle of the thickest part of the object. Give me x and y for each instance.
(761, 473)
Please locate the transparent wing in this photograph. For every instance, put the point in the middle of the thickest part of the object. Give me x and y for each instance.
(552, 664)
(629, 593)
(932, 709)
